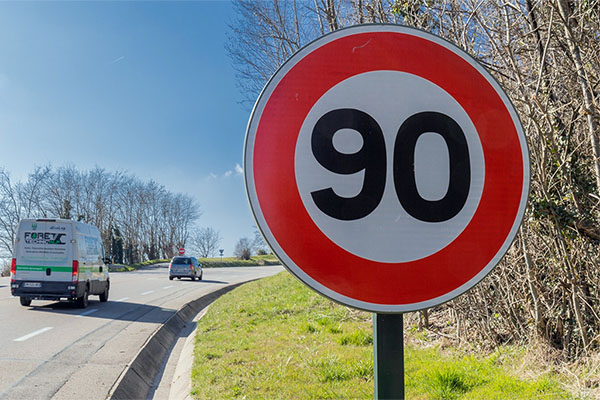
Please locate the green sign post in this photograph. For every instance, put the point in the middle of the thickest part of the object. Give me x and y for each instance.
(388, 353)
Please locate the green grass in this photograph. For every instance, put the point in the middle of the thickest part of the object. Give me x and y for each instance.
(133, 267)
(274, 338)
(452, 374)
(120, 268)
(217, 262)
(225, 262)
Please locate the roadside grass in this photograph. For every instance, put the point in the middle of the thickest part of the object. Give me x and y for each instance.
(120, 268)
(450, 374)
(216, 262)
(225, 262)
(133, 267)
(275, 338)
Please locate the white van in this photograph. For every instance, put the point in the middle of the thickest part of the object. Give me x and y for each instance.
(58, 259)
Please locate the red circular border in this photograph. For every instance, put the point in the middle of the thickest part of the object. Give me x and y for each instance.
(313, 252)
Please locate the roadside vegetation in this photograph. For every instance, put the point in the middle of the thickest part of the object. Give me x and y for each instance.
(138, 220)
(133, 267)
(216, 262)
(545, 55)
(275, 338)
(4, 268)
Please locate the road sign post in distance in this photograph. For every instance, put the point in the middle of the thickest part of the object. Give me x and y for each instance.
(386, 168)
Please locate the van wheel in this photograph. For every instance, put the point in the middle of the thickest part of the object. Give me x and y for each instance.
(104, 295)
(83, 301)
(193, 277)
(25, 301)
(170, 278)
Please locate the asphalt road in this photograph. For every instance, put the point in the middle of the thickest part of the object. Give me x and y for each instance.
(54, 350)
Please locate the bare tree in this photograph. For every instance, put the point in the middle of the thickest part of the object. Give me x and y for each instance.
(263, 36)
(205, 241)
(258, 243)
(10, 212)
(266, 33)
(243, 249)
(545, 55)
(142, 220)
(18, 200)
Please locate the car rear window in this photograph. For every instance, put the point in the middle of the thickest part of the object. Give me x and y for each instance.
(182, 260)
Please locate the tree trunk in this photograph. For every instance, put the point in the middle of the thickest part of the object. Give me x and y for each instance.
(588, 99)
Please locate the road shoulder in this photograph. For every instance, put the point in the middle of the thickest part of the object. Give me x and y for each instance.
(174, 381)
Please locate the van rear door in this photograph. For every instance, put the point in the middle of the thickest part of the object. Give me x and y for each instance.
(44, 251)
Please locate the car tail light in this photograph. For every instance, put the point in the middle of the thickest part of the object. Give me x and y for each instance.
(191, 266)
(13, 269)
(75, 277)
(170, 265)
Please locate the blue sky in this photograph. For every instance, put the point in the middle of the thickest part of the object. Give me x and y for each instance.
(144, 87)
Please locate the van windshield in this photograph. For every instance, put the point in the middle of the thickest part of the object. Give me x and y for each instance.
(182, 260)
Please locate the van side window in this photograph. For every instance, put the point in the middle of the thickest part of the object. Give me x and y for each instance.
(82, 249)
(93, 248)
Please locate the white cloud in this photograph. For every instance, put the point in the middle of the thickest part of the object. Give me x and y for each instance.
(236, 171)
(116, 60)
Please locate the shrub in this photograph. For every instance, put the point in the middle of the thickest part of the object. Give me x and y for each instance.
(5, 268)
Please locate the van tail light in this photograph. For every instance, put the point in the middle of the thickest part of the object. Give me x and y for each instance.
(170, 265)
(191, 266)
(13, 269)
(75, 277)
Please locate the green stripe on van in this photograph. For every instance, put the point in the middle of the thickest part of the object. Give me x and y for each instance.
(42, 268)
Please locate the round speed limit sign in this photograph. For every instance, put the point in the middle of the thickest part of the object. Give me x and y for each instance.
(386, 168)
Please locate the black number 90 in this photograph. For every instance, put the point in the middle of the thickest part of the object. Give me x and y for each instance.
(372, 159)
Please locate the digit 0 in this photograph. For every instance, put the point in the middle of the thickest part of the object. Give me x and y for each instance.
(372, 159)
(404, 167)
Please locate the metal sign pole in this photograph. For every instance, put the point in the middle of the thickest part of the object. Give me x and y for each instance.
(388, 352)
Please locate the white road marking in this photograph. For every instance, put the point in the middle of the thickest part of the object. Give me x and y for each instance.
(148, 292)
(123, 299)
(168, 287)
(32, 334)
(93, 310)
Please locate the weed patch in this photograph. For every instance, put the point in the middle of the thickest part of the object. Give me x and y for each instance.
(448, 384)
(357, 338)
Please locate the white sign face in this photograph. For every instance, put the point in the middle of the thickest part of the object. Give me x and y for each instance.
(386, 168)
(385, 96)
